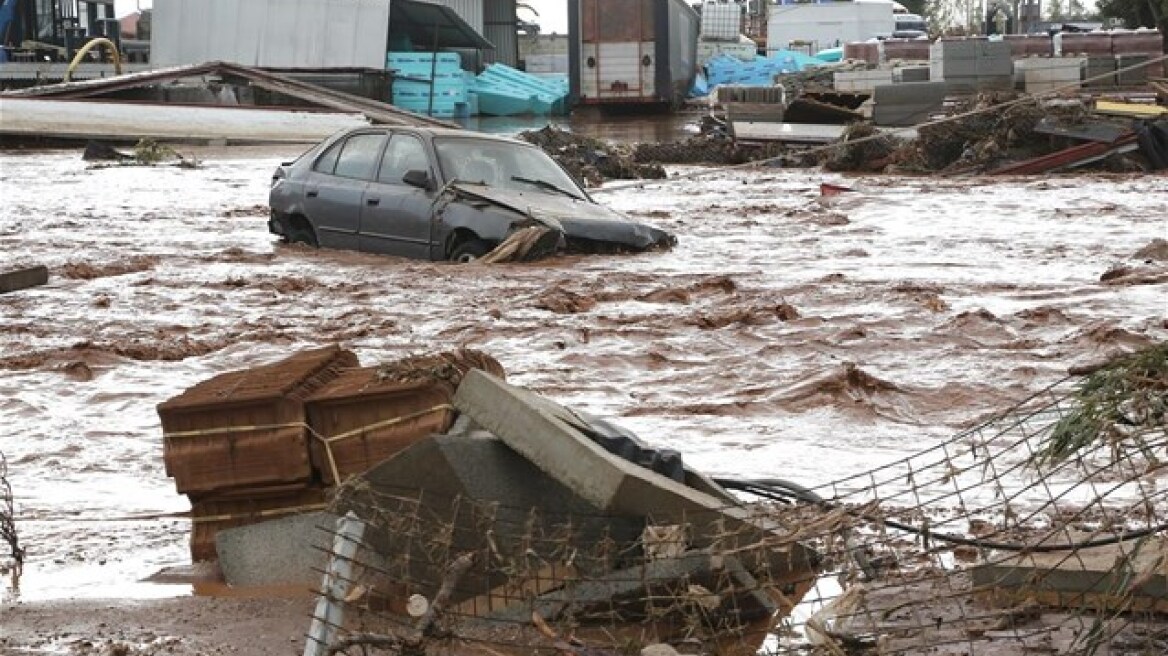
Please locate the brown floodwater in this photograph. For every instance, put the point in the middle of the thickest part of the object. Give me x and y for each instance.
(786, 335)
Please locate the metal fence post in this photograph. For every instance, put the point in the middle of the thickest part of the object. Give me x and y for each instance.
(334, 586)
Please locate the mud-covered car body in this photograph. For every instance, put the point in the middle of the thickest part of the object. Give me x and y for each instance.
(438, 194)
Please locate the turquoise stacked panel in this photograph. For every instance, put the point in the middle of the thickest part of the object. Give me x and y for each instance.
(423, 85)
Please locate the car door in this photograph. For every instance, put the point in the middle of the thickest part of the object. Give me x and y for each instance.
(335, 190)
(395, 216)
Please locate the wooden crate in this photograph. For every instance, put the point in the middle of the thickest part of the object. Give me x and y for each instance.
(213, 513)
(359, 421)
(247, 428)
(366, 415)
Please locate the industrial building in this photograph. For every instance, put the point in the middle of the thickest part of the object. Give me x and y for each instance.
(329, 33)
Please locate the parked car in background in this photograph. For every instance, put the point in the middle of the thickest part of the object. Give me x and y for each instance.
(440, 194)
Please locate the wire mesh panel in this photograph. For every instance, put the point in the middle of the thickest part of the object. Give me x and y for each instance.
(1039, 531)
(12, 561)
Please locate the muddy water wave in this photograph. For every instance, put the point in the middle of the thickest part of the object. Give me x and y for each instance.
(787, 335)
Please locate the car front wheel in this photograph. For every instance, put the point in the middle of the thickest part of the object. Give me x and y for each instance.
(469, 251)
(298, 233)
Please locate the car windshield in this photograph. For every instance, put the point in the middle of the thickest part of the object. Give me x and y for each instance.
(502, 164)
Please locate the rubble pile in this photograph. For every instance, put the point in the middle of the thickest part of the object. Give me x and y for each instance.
(982, 139)
(591, 160)
(595, 161)
(707, 148)
(974, 140)
(860, 149)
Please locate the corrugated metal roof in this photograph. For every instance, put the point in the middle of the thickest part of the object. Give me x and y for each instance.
(420, 20)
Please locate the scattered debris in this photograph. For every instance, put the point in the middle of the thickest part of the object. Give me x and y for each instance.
(539, 514)
(531, 525)
(870, 152)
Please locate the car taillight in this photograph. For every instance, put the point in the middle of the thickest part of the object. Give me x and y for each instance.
(278, 176)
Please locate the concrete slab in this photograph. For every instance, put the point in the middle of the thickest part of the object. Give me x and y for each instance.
(286, 551)
(11, 281)
(792, 132)
(1127, 576)
(907, 104)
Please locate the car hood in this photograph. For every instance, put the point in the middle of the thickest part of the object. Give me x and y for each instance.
(577, 219)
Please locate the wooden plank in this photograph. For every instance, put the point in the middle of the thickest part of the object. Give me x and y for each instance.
(11, 281)
(1134, 110)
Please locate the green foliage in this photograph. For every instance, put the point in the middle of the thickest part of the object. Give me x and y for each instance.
(1136, 13)
(148, 151)
(1115, 404)
(915, 6)
(1076, 10)
(1054, 10)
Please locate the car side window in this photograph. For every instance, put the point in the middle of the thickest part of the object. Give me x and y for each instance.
(328, 161)
(404, 153)
(359, 156)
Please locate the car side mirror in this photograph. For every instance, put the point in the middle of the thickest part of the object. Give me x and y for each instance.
(417, 178)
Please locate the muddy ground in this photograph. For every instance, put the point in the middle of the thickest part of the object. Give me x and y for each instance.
(787, 335)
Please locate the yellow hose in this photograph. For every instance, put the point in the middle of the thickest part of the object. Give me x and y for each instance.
(100, 41)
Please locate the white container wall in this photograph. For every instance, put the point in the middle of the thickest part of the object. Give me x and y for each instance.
(817, 27)
(275, 33)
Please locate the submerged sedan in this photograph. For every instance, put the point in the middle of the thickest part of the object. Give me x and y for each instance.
(441, 194)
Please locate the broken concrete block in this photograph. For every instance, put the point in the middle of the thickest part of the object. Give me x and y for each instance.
(533, 427)
(469, 484)
(11, 281)
(287, 551)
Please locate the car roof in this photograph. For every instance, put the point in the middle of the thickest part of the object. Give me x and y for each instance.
(445, 132)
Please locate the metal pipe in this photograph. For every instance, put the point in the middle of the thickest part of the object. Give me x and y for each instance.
(100, 41)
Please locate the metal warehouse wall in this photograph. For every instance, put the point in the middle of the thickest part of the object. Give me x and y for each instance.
(470, 11)
(276, 33)
(499, 28)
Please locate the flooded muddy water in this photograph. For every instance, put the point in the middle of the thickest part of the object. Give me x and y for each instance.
(787, 335)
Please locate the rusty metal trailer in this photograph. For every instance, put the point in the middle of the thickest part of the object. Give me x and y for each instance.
(631, 52)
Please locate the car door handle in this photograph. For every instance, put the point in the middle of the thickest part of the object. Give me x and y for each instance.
(374, 202)
(312, 194)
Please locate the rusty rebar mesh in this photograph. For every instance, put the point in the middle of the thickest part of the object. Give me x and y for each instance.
(997, 541)
(11, 563)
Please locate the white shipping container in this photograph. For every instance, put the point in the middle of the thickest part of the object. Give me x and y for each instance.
(721, 22)
(274, 33)
(818, 27)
